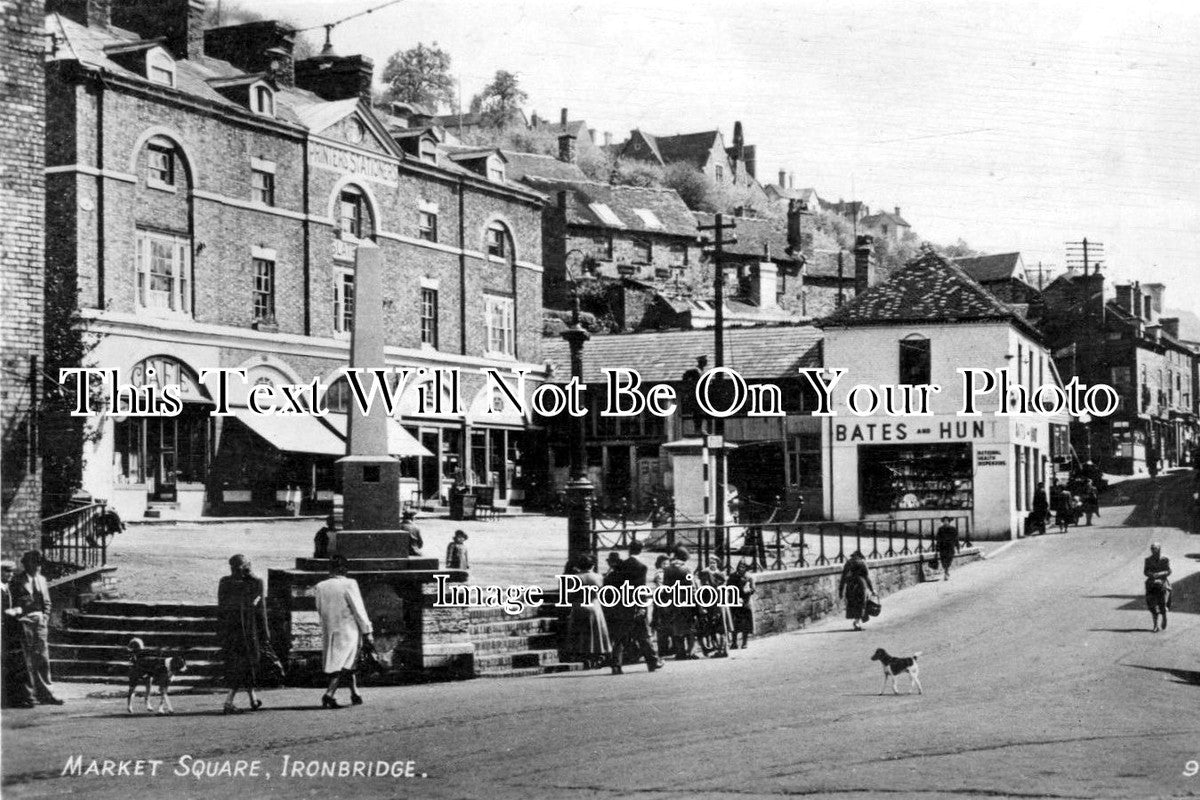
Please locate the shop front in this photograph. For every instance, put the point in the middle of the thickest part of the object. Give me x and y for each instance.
(898, 468)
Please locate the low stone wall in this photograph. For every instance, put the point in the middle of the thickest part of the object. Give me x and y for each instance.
(792, 599)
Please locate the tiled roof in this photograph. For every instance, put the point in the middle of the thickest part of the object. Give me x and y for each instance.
(998, 267)
(927, 289)
(693, 148)
(523, 165)
(769, 351)
(885, 216)
(755, 236)
(666, 205)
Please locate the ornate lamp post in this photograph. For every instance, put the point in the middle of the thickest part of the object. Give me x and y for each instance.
(580, 490)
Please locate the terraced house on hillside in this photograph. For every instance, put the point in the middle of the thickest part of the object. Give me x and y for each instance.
(208, 197)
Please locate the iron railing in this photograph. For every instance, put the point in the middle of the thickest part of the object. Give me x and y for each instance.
(75, 541)
(788, 545)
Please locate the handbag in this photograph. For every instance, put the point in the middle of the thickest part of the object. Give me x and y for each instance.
(872, 607)
(271, 669)
(368, 658)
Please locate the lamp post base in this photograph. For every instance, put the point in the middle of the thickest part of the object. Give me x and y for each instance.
(580, 493)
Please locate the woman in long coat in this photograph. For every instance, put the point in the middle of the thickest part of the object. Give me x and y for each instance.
(242, 630)
(344, 626)
(856, 587)
(587, 631)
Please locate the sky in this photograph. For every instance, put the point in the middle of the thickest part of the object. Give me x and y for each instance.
(1013, 126)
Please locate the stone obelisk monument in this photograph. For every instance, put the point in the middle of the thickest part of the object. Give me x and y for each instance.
(415, 636)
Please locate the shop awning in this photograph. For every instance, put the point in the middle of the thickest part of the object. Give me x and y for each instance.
(293, 433)
(401, 443)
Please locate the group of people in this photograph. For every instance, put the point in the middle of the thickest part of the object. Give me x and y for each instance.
(1064, 505)
(25, 634)
(597, 635)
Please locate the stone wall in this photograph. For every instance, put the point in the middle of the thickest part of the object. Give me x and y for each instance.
(22, 242)
(793, 599)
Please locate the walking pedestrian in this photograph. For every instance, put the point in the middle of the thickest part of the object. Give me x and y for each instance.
(1064, 508)
(1091, 500)
(680, 620)
(946, 540)
(1157, 570)
(635, 624)
(1152, 462)
(345, 628)
(1041, 508)
(242, 631)
(456, 552)
(31, 594)
(856, 587)
(18, 686)
(743, 615)
(587, 633)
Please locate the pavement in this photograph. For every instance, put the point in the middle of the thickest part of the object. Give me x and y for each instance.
(1041, 677)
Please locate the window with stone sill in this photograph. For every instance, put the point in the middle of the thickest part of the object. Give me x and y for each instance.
(499, 321)
(163, 272)
(262, 187)
(264, 290)
(427, 225)
(642, 252)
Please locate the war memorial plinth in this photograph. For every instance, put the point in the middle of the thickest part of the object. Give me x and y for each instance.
(417, 639)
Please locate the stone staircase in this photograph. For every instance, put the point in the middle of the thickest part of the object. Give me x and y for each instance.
(509, 646)
(91, 646)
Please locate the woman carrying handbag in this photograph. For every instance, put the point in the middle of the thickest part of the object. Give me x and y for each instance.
(855, 586)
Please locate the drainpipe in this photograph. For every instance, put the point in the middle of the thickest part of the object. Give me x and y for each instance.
(101, 295)
(307, 232)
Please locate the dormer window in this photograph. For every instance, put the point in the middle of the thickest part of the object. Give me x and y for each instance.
(262, 100)
(428, 151)
(495, 170)
(160, 67)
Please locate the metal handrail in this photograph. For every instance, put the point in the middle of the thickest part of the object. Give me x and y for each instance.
(75, 541)
(788, 545)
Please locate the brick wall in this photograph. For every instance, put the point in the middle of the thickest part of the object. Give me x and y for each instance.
(22, 234)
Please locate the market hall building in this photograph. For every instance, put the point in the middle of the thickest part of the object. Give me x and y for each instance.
(207, 197)
(919, 327)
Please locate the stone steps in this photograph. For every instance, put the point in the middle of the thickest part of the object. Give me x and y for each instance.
(110, 622)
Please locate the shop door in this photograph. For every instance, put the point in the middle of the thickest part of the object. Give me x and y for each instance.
(498, 462)
(162, 457)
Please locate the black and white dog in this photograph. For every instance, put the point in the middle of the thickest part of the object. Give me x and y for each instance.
(154, 669)
(893, 667)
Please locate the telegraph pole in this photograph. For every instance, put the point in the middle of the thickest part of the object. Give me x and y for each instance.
(718, 243)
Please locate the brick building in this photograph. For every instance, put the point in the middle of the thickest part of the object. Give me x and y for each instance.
(209, 196)
(22, 201)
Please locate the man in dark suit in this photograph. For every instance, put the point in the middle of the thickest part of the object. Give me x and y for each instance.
(635, 626)
(18, 688)
(31, 594)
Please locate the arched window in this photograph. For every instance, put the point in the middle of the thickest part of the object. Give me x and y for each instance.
(262, 100)
(354, 218)
(915, 360)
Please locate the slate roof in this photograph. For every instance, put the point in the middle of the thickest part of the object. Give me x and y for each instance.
(768, 351)
(927, 289)
(692, 148)
(885, 216)
(755, 236)
(535, 165)
(670, 209)
(997, 267)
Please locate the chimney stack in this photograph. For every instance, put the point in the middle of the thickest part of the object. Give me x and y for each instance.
(608, 138)
(566, 148)
(563, 120)
(90, 13)
(782, 179)
(897, 211)
(533, 120)
(333, 77)
(181, 22)
(255, 47)
(791, 180)
(1127, 298)
(1170, 326)
(864, 264)
(764, 285)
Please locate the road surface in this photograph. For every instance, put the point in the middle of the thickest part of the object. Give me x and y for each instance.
(1041, 676)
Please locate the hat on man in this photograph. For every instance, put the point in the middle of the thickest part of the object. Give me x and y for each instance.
(407, 515)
